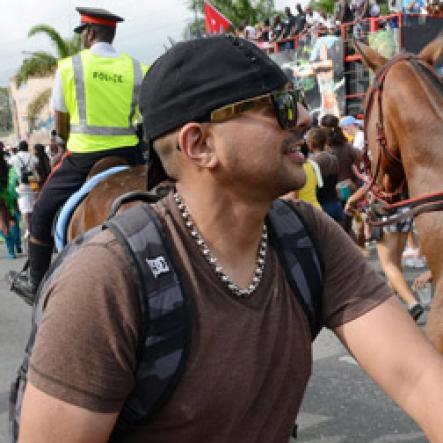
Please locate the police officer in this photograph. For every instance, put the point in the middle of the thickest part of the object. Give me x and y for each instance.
(95, 103)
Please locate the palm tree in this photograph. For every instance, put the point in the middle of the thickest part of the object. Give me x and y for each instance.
(42, 64)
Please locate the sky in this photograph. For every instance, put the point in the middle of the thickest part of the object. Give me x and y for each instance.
(143, 34)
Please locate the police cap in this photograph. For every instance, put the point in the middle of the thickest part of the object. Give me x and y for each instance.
(96, 16)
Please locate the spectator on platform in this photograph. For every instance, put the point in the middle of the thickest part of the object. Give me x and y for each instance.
(265, 31)
(277, 29)
(374, 8)
(300, 20)
(288, 23)
(412, 6)
(395, 6)
(240, 31)
(288, 28)
(343, 13)
(361, 10)
(313, 19)
(250, 33)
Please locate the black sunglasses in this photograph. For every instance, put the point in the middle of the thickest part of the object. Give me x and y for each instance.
(283, 102)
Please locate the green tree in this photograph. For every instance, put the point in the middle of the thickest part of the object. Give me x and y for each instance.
(323, 5)
(237, 11)
(5, 112)
(329, 5)
(42, 64)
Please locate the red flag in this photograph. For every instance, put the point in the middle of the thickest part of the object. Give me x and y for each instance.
(215, 21)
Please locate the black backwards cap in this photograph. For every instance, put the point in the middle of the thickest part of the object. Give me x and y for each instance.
(195, 77)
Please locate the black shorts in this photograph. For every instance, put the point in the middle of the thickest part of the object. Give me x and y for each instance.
(67, 178)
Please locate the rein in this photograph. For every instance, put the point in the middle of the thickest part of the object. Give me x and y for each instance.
(414, 206)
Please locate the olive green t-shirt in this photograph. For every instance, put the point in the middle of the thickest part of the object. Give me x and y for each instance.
(250, 358)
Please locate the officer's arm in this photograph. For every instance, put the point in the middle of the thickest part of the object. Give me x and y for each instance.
(61, 123)
(45, 419)
(58, 105)
(393, 351)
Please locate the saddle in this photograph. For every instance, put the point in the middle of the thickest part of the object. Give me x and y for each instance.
(101, 170)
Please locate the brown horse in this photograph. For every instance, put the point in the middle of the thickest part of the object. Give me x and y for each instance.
(96, 207)
(404, 130)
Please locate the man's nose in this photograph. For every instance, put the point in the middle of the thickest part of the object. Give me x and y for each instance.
(304, 118)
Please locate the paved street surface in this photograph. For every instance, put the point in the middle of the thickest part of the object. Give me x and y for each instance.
(341, 406)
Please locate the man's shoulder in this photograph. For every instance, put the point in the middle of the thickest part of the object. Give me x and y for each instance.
(311, 216)
(95, 263)
(322, 228)
(104, 239)
(102, 246)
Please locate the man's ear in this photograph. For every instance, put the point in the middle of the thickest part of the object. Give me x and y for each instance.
(196, 143)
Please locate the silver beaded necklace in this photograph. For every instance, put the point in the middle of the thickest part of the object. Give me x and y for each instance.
(212, 260)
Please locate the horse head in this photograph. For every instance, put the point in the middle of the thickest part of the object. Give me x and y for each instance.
(404, 120)
(403, 112)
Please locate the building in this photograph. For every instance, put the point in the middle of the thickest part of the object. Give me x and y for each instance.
(20, 98)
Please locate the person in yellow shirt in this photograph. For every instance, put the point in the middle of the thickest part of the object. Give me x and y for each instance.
(308, 192)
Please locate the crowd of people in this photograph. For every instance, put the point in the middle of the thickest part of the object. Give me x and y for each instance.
(23, 173)
(333, 168)
(283, 28)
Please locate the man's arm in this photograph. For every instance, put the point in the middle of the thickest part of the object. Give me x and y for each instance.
(58, 105)
(84, 357)
(46, 419)
(392, 350)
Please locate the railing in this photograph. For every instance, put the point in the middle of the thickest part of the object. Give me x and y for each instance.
(402, 32)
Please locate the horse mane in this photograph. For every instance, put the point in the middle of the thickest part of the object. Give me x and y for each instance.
(429, 81)
(430, 75)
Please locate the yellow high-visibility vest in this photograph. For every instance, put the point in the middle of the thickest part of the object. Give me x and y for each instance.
(101, 96)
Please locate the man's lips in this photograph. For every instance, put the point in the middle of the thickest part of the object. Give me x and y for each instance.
(294, 153)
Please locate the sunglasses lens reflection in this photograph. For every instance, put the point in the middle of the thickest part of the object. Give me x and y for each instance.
(286, 107)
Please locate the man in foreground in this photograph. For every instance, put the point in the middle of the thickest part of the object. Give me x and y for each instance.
(226, 130)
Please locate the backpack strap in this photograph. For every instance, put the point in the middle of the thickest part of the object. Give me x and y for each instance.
(166, 321)
(300, 259)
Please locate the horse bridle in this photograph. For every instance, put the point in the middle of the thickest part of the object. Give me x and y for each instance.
(384, 205)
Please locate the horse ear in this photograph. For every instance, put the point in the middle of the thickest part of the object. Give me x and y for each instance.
(370, 57)
(432, 51)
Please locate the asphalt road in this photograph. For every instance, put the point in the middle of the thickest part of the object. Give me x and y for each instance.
(342, 405)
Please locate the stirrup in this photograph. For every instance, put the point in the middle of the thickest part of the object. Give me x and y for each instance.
(16, 281)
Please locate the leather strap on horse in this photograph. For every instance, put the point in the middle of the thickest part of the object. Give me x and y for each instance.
(411, 212)
(416, 205)
(381, 134)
